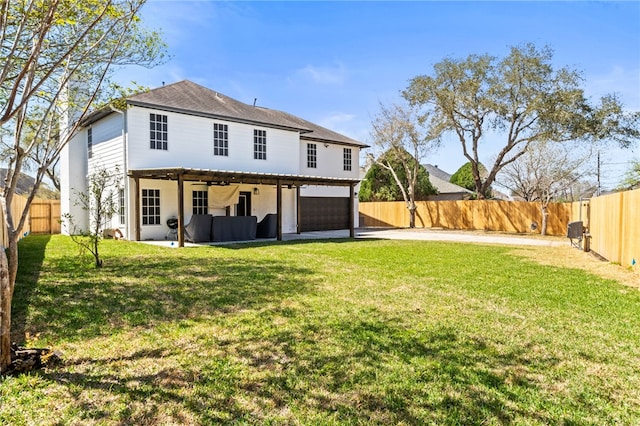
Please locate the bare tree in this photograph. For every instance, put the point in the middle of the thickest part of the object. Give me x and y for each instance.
(398, 133)
(55, 58)
(546, 172)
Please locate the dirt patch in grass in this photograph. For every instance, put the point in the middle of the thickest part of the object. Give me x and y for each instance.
(570, 257)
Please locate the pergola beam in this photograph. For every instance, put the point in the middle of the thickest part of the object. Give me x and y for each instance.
(279, 210)
(352, 231)
(180, 211)
(226, 177)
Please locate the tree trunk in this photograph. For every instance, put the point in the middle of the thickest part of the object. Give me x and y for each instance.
(8, 273)
(12, 260)
(545, 216)
(6, 294)
(412, 215)
(96, 254)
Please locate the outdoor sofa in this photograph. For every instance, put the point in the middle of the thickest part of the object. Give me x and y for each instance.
(207, 228)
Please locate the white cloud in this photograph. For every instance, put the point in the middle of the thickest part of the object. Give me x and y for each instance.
(332, 75)
(336, 119)
(349, 125)
(174, 16)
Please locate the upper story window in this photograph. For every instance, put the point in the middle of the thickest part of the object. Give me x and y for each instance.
(346, 159)
(259, 144)
(158, 131)
(220, 139)
(200, 202)
(90, 142)
(312, 155)
(151, 207)
(121, 206)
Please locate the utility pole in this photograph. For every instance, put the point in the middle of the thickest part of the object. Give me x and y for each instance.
(598, 191)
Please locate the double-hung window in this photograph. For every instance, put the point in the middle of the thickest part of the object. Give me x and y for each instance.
(121, 206)
(158, 131)
(89, 142)
(220, 139)
(259, 144)
(346, 159)
(312, 155)
(200, 202)
(151, 207)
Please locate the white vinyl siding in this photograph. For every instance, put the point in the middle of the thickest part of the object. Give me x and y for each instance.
(329, 160)
(106, 145)
(194, 137)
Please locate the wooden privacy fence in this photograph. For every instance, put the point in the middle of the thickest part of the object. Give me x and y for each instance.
(613, 222)
(17, 207)
(488, 215)
(43, 217)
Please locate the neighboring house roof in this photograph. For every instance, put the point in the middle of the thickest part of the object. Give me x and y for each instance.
(440, 180)
(191, 98)
(445, 187)
(25, 184)
(435, 171)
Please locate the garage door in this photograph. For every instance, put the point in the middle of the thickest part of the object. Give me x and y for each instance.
(324, 213)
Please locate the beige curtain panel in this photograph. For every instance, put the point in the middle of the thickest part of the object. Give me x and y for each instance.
(223, 196)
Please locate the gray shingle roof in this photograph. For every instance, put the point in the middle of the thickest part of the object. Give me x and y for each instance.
(191, 98)
(435, 171)
(446, 187)
(440, 180)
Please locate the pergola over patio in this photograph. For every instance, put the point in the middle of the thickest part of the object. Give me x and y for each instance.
(221, 177)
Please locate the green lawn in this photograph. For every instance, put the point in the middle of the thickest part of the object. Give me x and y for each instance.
(332, 332)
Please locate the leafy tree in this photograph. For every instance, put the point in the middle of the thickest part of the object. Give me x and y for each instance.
(38, 154)
(534, 177)
(380, 185)
(464, 177)
(631, 178)
(101, 202)
(396, 131)
(523, 97)
(55, 58)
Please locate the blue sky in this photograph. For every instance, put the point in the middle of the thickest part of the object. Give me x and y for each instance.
(333, 62)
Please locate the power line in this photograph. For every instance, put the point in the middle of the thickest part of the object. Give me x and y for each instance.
(617, 164)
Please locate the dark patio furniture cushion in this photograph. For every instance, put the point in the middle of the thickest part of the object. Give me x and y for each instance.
(199, 229)
(233, 228)
(268, 226)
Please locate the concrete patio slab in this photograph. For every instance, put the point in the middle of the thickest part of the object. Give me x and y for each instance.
(418, 234)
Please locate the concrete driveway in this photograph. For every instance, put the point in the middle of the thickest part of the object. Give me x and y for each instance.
(418, 234)
(482, 237)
